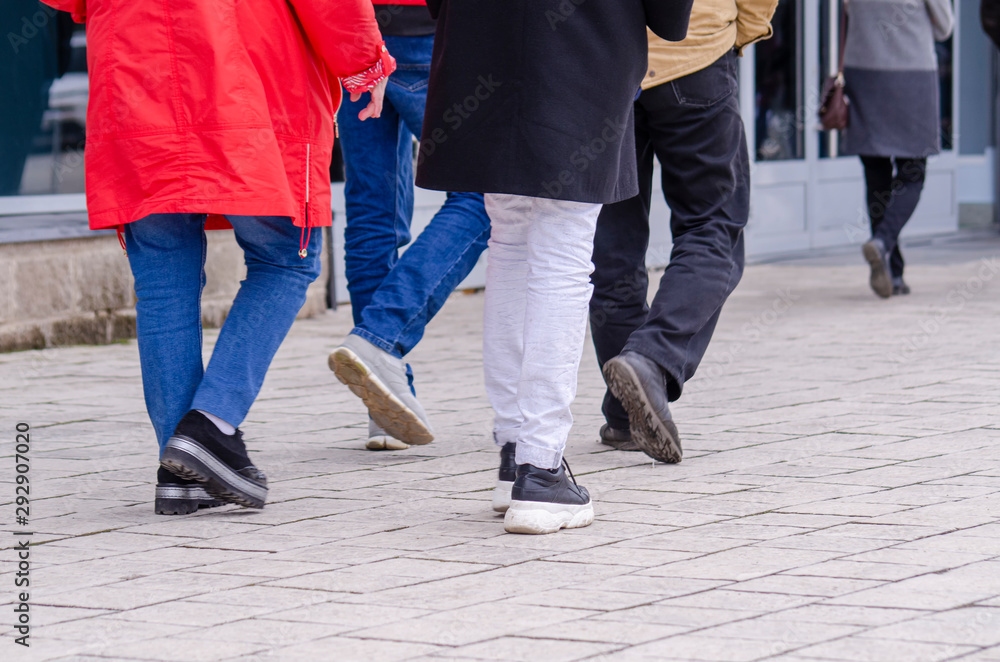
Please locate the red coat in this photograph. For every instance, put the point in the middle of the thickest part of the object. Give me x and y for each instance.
(206, 106)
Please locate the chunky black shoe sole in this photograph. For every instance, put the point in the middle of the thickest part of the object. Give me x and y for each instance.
(182, 499)
(655, 437)
(880, 280)
(189, 459)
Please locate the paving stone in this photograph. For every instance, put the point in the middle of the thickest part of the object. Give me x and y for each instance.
(867, 649)
(528, 649)
(173, 648)
(979, 626)
(705, 647)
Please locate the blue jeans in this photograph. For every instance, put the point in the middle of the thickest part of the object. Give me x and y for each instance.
(167, 255)
(392, 297)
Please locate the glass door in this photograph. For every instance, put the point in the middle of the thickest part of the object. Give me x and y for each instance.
(778, 61)
(777, 125)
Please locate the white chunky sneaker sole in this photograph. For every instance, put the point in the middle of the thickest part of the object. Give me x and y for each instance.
(534, 517)
(501, 495)
(388, 411)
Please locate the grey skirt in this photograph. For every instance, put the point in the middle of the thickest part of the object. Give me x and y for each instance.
(893, 113)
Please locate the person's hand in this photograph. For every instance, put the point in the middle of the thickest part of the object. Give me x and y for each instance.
(374, 107)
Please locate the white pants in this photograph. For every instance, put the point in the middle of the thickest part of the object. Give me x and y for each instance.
(537, 297)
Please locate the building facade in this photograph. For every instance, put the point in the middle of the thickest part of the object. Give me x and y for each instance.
(805, 195)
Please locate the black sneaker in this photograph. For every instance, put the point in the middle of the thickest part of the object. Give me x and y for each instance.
(620, 440)
(899, 286)
(508, 473)
(176, 496)
(199, 451)
(545, 500)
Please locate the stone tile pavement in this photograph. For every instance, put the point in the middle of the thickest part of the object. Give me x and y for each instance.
(839, 499)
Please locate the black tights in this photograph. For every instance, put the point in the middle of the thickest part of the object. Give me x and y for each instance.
(892, 199)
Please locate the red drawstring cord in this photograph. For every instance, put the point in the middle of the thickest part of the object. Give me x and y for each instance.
(304, 241)
(121, 239)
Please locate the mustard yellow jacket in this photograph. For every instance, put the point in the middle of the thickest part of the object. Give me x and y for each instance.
(716, 27)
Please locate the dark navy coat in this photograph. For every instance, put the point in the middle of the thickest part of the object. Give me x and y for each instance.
(535, 97)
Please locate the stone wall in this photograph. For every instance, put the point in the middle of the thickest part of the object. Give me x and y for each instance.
(80, 291)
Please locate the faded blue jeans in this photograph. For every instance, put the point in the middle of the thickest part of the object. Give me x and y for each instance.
(167, 255)
(392, 297)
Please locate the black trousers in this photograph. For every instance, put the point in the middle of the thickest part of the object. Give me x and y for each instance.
(892, 198)
(693, 127)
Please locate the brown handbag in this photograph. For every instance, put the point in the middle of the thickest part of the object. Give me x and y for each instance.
(835, 107)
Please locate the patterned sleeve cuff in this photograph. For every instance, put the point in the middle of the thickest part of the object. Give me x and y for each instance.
(372, 76)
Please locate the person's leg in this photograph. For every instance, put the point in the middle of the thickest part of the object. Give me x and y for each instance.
(267, 303)
(618, 306)
(556, 295)
(166, 253)
(447, 249)
(878, 187)
(378, 193)
(262, 313)
(908, 183)
(379, 188)
(426, 274)
(396, 314)
(697, 132)
(879, 193)
(560, 246)
(504, 310)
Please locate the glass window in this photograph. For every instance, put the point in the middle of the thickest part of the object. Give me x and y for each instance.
(778, 61)
(42, 124)
(976, 94)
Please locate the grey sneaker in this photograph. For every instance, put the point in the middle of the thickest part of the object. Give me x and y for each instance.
(378, 440)
(620, 440)
(379, 379)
